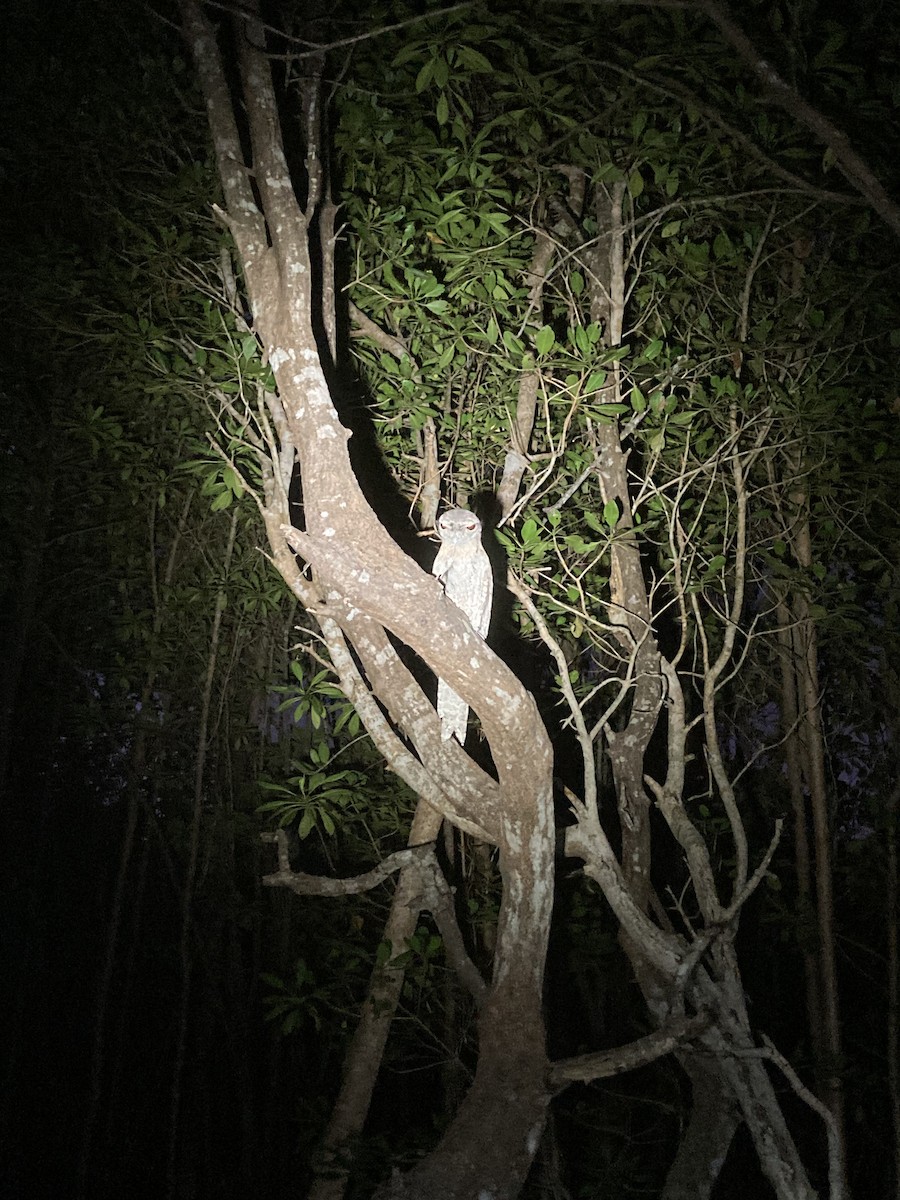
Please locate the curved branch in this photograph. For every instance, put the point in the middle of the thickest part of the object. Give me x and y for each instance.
(325, 885)
(852, 166)
(585, 1067)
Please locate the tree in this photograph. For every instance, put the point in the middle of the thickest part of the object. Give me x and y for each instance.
(365, 585)
(601, 290)
(680, 574)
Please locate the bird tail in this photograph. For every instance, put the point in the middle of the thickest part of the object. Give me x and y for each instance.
(454, 713)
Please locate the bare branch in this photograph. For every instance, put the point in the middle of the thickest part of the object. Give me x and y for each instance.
(324, 885)
(606, 1063)
(368, 328)
(852, 166)
(237, 9)
(835, 1165)
(585, 741)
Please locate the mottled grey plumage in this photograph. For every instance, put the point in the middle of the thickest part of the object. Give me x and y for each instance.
(464, 568)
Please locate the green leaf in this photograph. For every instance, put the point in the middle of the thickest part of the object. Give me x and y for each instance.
(545, 340)
(425, 75)
(474, 60)
(529, 531)
(231, 478)
(611, 513)
(512, 343)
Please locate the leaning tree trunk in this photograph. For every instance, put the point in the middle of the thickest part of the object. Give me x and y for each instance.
(363, 1058)
(363, 585)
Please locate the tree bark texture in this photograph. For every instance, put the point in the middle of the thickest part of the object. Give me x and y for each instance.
(739, 1084)
(364, 584)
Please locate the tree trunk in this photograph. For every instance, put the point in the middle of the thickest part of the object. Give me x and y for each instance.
(134, 791)
(363, 1058)
(193, 849)
(363, 584)
(742, 1084)
(812, 747)
(790, 718)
